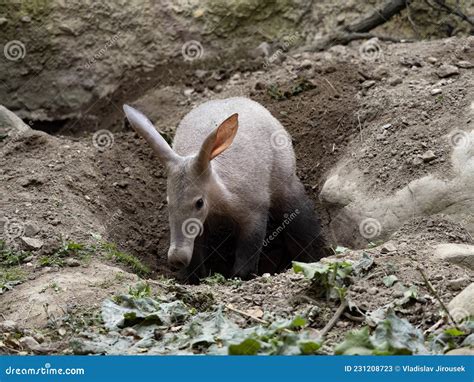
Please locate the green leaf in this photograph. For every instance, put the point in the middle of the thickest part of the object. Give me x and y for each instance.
(397, 336)
(309, 347)
(298, 322)
(248, 346)
(357, 342)
(390, 280)
(309, 270)
(454, 332)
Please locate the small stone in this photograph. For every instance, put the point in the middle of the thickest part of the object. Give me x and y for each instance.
(428, 156)
(373, 291)
(461, 306)
(62, 332)
(26, 19)
(31, 243)
(306, 64)
(388, 247)
(188, 92)
(417, 161)
(129, 332)
(8, 326)
(446, 70)
(436, 91)
(218, 88)
(29, 343)
(263, 50)
(70, 262)
(126, 170)
(199, 73)
(461, 351)
(3, 20)
(31, 229)
(395, 81)
(432, 60)
(465, 65)
(459, 254)
(457, 284)
(255, 312)
(39, 337)
(368, 84)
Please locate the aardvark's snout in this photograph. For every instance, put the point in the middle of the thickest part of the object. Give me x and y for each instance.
(179, 257)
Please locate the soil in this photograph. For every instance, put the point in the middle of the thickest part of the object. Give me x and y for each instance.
(335, 108)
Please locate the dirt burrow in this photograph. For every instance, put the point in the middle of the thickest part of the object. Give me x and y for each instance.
(333, 104)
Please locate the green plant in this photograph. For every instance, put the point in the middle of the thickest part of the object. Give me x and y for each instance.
(112, 253)
(9, 277)
(10, 257)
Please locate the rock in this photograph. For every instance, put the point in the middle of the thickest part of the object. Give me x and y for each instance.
(459, 254)
(388, 247)
(31, 229)
(461, 306)
(446, 70)
(26, 19)
(29, 343)
(373, 291)
(306, 64)
(368, 84)
(10, 121)
(465, 65)
(199, 73)
(3, 20)
(432, 60)
(255, 312)
(8, 326)
(395, 81)
(436, 91)
(31, 243)
(428, 156)
(129, 332)
(70, 262)
(263, 50)
(188, 92)
(461, 351)
(457, 284)
(417, 161)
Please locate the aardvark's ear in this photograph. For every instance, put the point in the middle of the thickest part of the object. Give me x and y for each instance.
(143, 126)
(218, 141)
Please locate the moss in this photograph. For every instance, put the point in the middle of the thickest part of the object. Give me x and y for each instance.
(112, 253)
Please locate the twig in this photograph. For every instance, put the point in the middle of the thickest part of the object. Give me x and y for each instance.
(434, 292)
(354, 318)
(359, 29)
(434, 327)
(230, 307)
(334, 318)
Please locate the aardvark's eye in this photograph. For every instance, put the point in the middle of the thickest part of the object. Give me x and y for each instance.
(199, 203)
